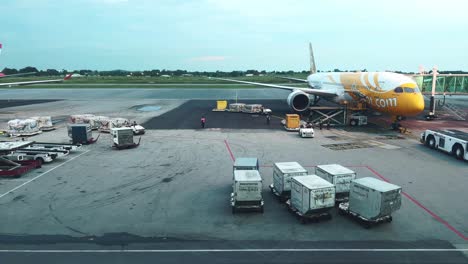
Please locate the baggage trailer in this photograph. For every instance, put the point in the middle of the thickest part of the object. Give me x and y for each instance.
(123, 138)
(452, 141)
(81, 134)
(10, 169)
(64, 146)
(282, 174)
(339, 176)
(247, 191)
(312, 198)
(371, 201)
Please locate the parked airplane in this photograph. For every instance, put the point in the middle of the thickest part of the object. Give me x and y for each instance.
(28, 73)
(386, 92)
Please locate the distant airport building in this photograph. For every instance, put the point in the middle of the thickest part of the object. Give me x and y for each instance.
(165, 76)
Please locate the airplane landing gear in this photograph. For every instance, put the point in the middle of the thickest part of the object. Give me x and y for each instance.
(396, 122)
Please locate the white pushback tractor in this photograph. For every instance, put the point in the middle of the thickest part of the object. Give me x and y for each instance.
(452, 141)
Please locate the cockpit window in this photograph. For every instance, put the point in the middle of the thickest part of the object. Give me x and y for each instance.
(416, 90)
(398, 90)
(409, 90)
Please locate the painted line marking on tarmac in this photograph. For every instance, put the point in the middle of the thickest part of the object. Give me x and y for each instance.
(416, 202)
(229, 150)
(233, 250)
(42, 174)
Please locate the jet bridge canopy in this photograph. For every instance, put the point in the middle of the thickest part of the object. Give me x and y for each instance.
(448, 84)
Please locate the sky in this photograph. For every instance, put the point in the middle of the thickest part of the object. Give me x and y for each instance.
(225, 35)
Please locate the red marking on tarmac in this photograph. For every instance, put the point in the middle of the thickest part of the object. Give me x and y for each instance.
(416, 202)
(229, 150)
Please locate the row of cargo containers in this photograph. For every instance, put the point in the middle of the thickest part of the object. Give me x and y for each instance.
(341, 177)
(314, 195)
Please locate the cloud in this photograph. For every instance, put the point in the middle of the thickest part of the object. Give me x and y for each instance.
(209, 58)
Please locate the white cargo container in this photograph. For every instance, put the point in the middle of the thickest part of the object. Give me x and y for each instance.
(311, 195)
(123, 138)
(247, 190)
(338, 175)
(282, 174)
(373, 199)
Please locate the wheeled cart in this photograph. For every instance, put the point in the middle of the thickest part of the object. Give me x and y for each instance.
(343, 209)
(282, 197)
(314, 216)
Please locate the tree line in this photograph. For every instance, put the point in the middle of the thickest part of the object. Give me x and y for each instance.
(156, 73)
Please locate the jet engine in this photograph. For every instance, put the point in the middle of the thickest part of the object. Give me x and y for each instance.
(298, 101)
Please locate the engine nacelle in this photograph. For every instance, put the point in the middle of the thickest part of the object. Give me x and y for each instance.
(298, 101)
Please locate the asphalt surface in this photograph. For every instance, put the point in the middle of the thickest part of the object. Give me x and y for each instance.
(172, 192)
(211, 93)
(188, 115)
(19, 102)
(240, 252)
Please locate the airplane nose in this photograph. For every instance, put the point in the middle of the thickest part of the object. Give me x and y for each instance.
(418, 105)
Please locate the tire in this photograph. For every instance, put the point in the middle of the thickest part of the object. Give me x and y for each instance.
(390, 219)
(353, 122)
(430, 141)
(233, 210)
(261, 210)
(458, 152)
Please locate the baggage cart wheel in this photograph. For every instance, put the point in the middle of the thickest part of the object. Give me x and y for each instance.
(390, 219)
(303, 220)
(341, 212)
(233, 210)
(261, 210)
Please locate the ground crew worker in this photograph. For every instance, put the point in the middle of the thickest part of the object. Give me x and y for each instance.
(328, 124)
(203, 121)
(320, 124)
(268, 119)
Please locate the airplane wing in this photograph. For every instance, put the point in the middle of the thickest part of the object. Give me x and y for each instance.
(16, 74)
(36, 82)
(289, 88)
(292, 79)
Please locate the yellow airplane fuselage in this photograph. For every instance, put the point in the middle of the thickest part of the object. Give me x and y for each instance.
(385, 92)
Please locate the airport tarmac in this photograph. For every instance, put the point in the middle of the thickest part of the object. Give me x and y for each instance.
(176, 185)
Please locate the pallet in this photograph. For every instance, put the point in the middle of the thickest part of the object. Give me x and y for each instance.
(307, 218)
(343, 209)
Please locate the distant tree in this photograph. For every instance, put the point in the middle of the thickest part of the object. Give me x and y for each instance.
(28, 69)
(52, 72)
(336, 70)
(7, 71)
(85, 72)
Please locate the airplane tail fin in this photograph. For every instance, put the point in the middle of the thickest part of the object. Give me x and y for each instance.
(313, 68)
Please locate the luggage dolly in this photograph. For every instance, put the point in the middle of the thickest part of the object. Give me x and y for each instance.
(343, 209)
(281, 197)
(306, 218)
